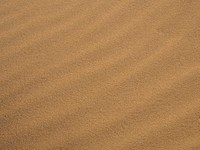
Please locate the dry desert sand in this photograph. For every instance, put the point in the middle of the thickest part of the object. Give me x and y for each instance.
(100, 75)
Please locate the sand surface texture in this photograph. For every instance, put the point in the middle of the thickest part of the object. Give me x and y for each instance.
(100, 75)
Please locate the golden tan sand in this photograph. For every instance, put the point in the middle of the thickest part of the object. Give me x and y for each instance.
(100, 75)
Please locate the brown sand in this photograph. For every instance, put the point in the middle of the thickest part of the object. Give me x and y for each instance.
(100, 75)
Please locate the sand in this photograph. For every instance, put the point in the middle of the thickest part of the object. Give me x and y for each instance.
(100, 75)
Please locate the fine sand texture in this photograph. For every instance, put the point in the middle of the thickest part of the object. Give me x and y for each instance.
(100, 75)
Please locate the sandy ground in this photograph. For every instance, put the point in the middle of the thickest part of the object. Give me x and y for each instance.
(100, 75)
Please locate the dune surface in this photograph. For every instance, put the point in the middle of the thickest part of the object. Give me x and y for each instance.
(100, 75)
